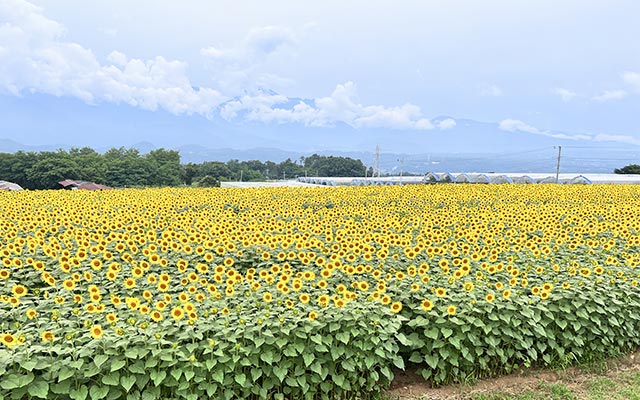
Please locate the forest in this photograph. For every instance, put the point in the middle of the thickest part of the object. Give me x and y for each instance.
(122, 167)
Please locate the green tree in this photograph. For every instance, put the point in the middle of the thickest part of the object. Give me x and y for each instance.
(189, 172)
(125, 167)
(333, 166)
(289, 169)
(51, 168)
(629, 169)
(21, 163)
(208, 181)
(6, 161)
(93, 168)
(164, 166)
(215, 169)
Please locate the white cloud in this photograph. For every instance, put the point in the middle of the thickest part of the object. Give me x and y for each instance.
(633, 79)
(565, 94)
(117, 58)
(603, 137)
(35, 57)
(446, 123)
(257, 44)
(342, 106)
(38, 59)
(240, 68)
(487, 89)
(609, 95)
(514, 125)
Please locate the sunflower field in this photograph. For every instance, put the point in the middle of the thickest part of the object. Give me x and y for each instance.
(297, 293)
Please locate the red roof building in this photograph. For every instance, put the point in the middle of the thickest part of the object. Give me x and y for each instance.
(82, 185)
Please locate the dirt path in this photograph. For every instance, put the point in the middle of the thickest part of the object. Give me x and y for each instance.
(409, 386)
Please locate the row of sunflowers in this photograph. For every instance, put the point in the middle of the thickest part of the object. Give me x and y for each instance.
(308, 293)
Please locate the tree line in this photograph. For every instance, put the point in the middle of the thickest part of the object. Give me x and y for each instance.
(628, 169)
(121, 167)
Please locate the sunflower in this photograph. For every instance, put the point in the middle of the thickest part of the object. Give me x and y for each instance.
(31, 313)
(451, 310)
(313, 315)
(19, 290)
(490, 297)
(96, 264)
(323, 300)
(339, 302)
(47, 336)
(177, 313)
(8, 340)
(156, 316)
(133, 303)
(96, 332)
(396, 307)
(129, 283)
(69, 284)
(426, 304)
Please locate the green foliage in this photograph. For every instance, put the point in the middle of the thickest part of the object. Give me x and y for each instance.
(208, 181)
(333, 166)
(629, 169)
(348, 356)
(577, 325)
(120, 167)
(117, 167)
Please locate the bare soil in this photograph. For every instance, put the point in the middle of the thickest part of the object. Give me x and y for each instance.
(407, 385)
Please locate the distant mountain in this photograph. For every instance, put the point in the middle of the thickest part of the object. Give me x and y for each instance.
(196, 154)
(468, 146)
(11, 146)
(144, 147)
(574, 158)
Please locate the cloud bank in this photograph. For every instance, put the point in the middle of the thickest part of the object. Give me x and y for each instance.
(35, 57)
(565, 94)
(342, 106)
(632, 79)
(610, 95)
(515, 125)
(490, 90)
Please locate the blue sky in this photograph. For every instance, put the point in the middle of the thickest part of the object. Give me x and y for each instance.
(553, 68)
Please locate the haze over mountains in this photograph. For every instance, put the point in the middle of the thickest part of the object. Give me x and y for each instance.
(452, 145)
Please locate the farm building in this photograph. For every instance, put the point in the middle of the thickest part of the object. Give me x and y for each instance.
(82, 185)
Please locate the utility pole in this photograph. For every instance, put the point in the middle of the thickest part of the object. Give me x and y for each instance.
(558, 165)
(241, 171)
(401, 165)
